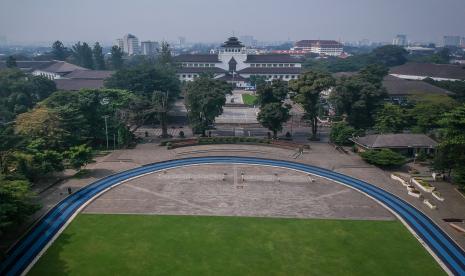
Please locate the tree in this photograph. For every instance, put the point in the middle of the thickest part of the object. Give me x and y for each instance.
(358, 97)
(257, 80)
(451, 154)
(19, 92)
(116, 57)
(273, 115)
(308, 88)
(275, 92)
(79, 156)
(42, 123)
(205, 98)
(59, 51)
(144, 80)
(340, 133)
(99, 60)
(383, 158)
(11, 62)
(16, 202)
(390, 55)
(428, 110)
(458, 87)
(165, 57)
(390, 119)
(82, 55)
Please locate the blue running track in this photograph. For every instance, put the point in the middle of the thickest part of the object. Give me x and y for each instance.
(30, 246)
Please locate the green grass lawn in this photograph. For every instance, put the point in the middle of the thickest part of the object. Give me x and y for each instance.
(188, 245)
(249, 99)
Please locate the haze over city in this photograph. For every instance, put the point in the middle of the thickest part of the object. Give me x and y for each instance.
(29, 21)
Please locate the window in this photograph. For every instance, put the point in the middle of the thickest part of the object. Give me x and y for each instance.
(293, 77)
(275, 65)
(287, 76)
(189, 76)
(286, 65)
(269, 65)
(292, 65)
(252, 65)
(196, 65)
(183, 76)
(281, 65)
(275, 76)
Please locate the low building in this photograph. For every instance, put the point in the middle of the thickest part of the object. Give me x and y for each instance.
(56, 70)
(399, 90)
(28, 66)
(421, 71)
(321, 47)
(83, 79)
(406, 144)
(233, 63)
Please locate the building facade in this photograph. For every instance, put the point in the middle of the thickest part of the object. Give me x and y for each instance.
(233, 63)
(129, 44)
(451, 40)
(400, 40)
(149, 48)
(321, 47)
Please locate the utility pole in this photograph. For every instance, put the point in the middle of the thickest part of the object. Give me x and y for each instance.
(106, 128)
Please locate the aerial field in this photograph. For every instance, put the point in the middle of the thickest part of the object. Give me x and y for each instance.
(96, 244)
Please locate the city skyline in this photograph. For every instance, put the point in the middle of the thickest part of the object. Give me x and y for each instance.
(336, 19)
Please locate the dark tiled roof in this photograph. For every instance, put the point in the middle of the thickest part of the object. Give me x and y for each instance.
(232, 42)
(196, 58)
(28, 66)
(395, 141)
(448, 71)
(78, 84)
(215, 70)
(271, 70)
(272, 58)
(61, 67)
(397, 87)
(89, 74)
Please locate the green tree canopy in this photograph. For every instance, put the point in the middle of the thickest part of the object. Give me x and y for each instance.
(274, 92)
(340, 133)
(273, 115)
(391, 119)
(59, 51)
(117, 57)
(390, 55)
(99, 60)
(205, 98)
(383, 158)
(82, 55)
(11, 62)
(308, 88)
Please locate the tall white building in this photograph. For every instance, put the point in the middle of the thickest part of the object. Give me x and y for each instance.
(149, 48)
(400, 40)
(129, 44)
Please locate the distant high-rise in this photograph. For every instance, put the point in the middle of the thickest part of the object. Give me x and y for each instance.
(400, 40)
(248, 40)
(149, 48)
(2, 40)
(451, 40)
(129, 44)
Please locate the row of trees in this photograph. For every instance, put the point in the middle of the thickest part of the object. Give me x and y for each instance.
(83, 55)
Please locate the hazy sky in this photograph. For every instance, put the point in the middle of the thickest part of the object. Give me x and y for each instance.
(215, 20)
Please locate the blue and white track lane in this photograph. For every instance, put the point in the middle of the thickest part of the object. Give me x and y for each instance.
(24, 254)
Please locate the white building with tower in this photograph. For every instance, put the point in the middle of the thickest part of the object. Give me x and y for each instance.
(400, 40)
(233, 63)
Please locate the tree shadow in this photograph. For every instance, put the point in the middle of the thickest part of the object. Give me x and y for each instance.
(53, 262)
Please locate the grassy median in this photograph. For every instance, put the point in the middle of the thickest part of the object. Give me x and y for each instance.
(191, 245)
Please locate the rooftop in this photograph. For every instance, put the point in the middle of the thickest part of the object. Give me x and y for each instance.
(199, 70)
(325, 43)
(232, 42)
(196, 58)
(61, 67)
(28, 66)
(401, 140)
(78, 84)
(89, 74)
(397, 86)
(272, 58)
(447, 71)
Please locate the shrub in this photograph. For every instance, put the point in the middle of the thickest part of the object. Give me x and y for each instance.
(383, 158)
(340, 133)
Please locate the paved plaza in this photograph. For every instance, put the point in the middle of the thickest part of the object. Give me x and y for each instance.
(237, 191)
